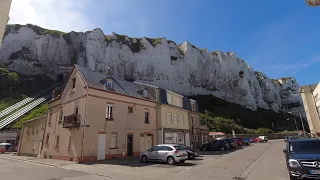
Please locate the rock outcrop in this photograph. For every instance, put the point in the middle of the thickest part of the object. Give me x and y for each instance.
(183, 68)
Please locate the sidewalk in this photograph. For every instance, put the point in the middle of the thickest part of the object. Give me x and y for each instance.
(49, 162)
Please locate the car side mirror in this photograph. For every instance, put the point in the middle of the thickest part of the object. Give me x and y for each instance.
(285, 151)
(150, 150)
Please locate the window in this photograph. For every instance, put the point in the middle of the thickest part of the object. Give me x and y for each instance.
(156, 148)
(57, 141)
(114, 141)
(179, 101)
(181, 117)
(130, 109)
(169, 120)
(60, 116)
(193, 106)
(195, 138)
(50, 116)
(110, 83)
(73, 83)
(167, 148)
(76, 110)
(70, 144)
(202, 139)
(47, 138)
(109, 110)
(145, 93)
(169, 98)
(191, 119)
(146, 117)
(34, 144)
(175, 118)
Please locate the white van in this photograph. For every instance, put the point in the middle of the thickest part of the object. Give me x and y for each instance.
(263, 138)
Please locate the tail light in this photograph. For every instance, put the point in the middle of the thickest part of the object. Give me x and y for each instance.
(176, 152)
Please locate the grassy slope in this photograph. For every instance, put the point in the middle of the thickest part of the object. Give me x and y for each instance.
(38, 111)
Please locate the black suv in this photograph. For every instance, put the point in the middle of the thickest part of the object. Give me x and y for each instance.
(303, 158)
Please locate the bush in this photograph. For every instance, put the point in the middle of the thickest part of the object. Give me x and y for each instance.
(263, 131)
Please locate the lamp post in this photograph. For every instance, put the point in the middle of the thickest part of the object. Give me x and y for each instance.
(304, 131)
(295, 122)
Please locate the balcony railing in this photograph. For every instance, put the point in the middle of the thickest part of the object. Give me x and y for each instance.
(71, 121)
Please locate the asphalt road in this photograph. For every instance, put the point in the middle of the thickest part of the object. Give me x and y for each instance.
(263, 161)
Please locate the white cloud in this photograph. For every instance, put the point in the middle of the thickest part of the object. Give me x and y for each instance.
(63, 15)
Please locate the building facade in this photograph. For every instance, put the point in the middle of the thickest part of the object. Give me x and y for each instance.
(177, 118)
(310, 96)
(31, 137)
(199, 133)
(98, 117)
(4, 16)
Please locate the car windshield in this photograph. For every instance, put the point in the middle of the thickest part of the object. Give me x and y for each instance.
(183, 146)
(303, 146)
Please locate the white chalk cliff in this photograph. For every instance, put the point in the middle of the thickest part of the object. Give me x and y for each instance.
(183, 68)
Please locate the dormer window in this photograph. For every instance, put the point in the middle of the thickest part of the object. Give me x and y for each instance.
(109, 84)
(145, 93)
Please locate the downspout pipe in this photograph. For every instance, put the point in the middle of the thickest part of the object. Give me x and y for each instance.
(84, 123)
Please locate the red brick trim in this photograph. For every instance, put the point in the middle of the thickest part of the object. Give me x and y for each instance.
(109, 156)
(102, 132)
(136, 154)
(148, 133)
(114, 132)
(76, 159)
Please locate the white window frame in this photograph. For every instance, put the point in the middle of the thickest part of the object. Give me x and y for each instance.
(114, 145)
(60, 116)
(145, 93)
(145, 113)
(169, 121)
(175, 118)
(179, 101)
(57, 141)
(169, 98)
(181, 119)
(109, 111)
(70, 142)
(110, 83)
(193, 106)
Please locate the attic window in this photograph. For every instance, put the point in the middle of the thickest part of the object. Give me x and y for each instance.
(145, 93)
(109, 84)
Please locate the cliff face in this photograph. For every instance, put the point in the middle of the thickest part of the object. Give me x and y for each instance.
(182, 68)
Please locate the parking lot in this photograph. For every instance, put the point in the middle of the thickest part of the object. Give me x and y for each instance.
(263, 161)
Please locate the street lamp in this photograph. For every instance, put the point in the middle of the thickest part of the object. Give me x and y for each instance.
(295, 121)
(304, 131)
(313, 3)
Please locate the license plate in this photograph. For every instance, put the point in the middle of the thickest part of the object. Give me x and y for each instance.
(314, 171)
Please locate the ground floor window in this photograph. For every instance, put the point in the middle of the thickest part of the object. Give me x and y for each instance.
(114, 141)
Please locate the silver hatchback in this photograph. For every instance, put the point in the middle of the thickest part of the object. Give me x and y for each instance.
(170, 153)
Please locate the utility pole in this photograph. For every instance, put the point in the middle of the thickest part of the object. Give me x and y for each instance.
(304, 131)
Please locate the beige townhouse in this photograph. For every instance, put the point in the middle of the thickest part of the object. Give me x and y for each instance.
(98, 117)
(199, 133)
(4, 16)
(172, 115)
(311, 101)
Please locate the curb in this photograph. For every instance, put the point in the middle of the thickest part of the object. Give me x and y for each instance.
(32, 161)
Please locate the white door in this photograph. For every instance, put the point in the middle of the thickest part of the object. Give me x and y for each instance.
(101, 146)
(142, 146)
(149, 141)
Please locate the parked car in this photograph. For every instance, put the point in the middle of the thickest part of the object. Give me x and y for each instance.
(263, 138)
(221, 145)
(170, 153)
(247, 141)
(303, 158)
(232, 143)
(238, 142)
(256, 140)
(192, 153)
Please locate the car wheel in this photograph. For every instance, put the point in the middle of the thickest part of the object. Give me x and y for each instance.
(190, 156)
(222, 148)
(144, 159)
(266, 140)
(170, 160)
(292, 178)
(204, 149)
(182, 161)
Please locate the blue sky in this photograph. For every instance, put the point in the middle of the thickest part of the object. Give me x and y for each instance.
(277, 37)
